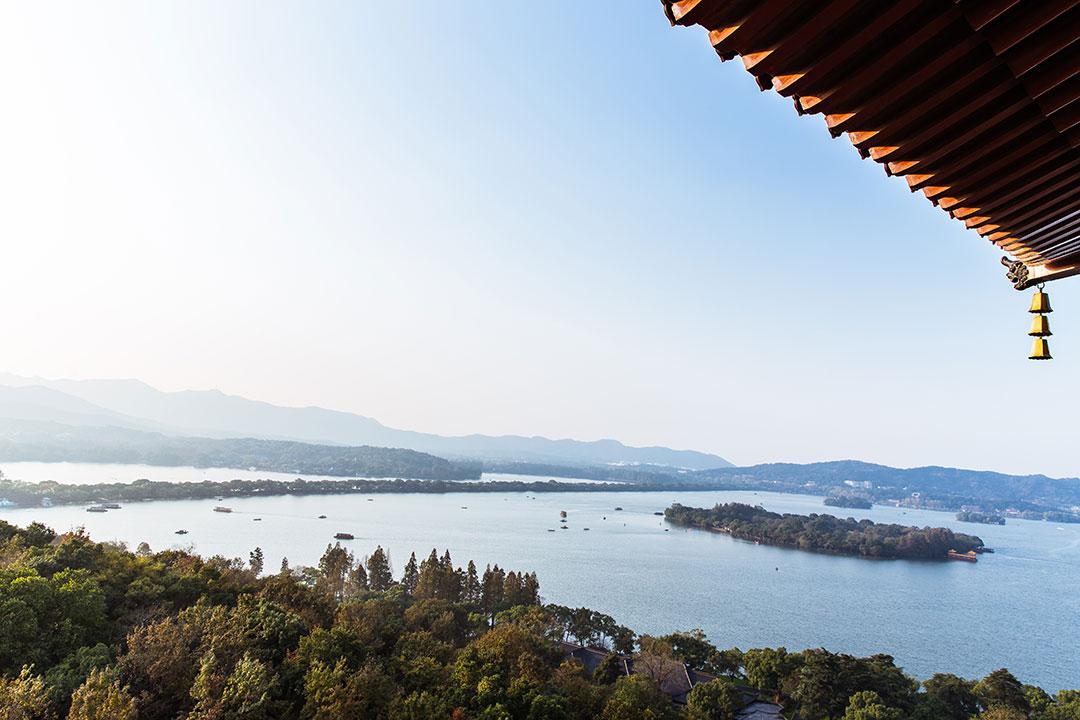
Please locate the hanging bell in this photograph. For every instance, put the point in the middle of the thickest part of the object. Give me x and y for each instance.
(1040, 303)
(1040, 350)
(1040, 326)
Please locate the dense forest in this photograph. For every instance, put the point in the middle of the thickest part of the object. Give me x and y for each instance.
(92, 631)
(825, 533)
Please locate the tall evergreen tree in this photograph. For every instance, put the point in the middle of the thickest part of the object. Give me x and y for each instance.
(380, 574)
(512, 589)
(470, 590)
(334, 568)
(428, 582)
(255, 559)
(358, 581)
(449, 580)
(410, 576)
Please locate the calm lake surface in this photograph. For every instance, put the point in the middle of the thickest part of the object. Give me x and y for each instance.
(1018, 608)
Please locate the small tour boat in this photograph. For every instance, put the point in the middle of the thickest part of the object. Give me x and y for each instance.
(97, 509)
(256, 519)
(222, 509)
(322, 517)
(181, 532)
(343, 536)
(618, 509)
(111, 506)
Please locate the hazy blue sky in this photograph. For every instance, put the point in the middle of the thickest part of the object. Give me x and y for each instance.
(556, 218)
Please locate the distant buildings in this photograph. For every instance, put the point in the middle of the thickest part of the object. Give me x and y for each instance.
(675, 679)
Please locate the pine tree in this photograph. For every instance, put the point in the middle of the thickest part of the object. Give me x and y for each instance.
(335, 566)
(358, 581)
(284, 566)
(380, 574)
(256, 560)
(492, 593)
(471, 585)
(427, 583)
(530, 590)
(449, 580)
(410, 576)
(511, 589)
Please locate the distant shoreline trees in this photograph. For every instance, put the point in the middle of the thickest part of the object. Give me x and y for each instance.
(824, 533)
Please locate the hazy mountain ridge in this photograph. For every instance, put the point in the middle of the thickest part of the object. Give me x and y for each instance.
(213, 414)
(44, 441)
(920, 486)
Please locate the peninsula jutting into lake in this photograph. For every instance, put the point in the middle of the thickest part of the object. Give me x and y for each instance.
(826, 533)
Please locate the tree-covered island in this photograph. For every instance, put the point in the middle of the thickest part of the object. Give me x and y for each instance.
(849, 501)
(825, 533)
(978, 517)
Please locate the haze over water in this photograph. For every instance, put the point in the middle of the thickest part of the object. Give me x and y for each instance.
(1015, 608)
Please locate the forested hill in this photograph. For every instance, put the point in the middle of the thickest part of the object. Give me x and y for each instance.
(93, 631)
(53, 442)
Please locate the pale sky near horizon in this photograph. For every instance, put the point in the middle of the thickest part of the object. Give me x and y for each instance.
(564, 219)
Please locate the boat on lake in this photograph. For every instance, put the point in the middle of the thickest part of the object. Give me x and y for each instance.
(322, 517)
(343, 536)
(180, 532)
(111, 506)
(97, 509)
(222, 509)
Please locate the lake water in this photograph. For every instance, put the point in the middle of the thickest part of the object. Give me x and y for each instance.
(1017, 608)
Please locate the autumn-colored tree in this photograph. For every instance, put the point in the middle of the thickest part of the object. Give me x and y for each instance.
(102, 697)
(24, 698)
(867, 705)
(637, 697)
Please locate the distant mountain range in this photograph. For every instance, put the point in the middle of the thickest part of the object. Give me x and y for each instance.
(933, 487)
(134, 405)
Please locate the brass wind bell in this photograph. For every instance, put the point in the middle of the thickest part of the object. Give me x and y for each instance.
(1040, 325)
